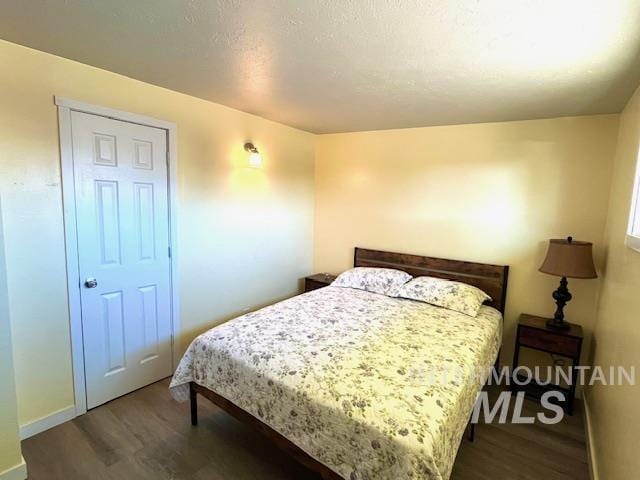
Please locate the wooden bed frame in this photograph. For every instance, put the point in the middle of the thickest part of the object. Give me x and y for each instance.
(490, 278)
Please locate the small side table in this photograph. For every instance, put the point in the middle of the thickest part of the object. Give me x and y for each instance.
(319, 280)
(533, 333)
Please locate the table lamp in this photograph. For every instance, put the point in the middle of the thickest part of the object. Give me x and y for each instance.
(567, 258)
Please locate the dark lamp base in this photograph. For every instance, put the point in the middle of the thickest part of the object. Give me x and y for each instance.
(561, 296)
(558, 325)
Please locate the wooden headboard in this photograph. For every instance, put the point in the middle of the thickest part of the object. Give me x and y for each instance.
(492, 279)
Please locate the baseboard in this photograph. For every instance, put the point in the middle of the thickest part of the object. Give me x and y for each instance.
(591, 460)
(45, 423)
(17, 472)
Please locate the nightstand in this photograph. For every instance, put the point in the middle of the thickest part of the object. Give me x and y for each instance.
(319, 280)
(534, 333)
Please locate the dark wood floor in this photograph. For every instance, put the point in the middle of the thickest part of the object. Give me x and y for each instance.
(147, 435)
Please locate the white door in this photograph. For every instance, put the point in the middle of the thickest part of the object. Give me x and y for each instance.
(120, 174)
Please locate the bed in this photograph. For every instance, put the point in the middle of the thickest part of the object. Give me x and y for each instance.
(343, 379)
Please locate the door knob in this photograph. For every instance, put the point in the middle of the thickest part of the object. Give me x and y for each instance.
(91, 283)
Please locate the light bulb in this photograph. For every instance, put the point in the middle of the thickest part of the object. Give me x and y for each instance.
(255, 160)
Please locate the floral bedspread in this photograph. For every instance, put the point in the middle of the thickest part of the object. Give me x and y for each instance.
(347, 375)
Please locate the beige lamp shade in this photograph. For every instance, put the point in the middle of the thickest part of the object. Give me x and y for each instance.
(569, 258)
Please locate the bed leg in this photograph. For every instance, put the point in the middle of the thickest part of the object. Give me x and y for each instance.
(194, 404)
(472, 432)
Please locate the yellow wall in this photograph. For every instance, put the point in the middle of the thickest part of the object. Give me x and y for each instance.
(488, 192)
(10, 455)
(245, 236)
(614, 411)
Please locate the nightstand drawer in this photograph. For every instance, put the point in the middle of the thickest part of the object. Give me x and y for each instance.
(319, 280)
(313, 285)
(548, 341)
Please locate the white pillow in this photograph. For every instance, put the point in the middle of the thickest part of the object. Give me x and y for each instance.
(386, 281)
(456, 296)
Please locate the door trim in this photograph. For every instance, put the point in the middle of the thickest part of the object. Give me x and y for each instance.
(65, 107)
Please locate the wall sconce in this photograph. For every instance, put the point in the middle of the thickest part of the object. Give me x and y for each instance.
(255, 160)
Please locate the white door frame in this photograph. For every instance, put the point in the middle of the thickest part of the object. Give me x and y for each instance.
(65, 107)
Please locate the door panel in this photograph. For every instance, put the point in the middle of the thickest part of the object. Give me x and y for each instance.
(108, 221)
(145, 215)
(113, 320)
(149, 314)
(120, 175)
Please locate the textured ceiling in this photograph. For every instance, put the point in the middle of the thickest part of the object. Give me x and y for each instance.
(346, 65)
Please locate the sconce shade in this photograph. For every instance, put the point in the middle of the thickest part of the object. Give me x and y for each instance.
(255, 160)
(569, 258)
(250, 147)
